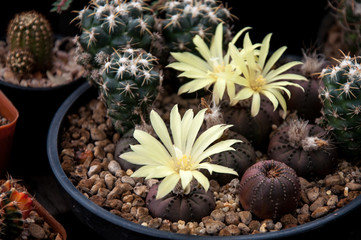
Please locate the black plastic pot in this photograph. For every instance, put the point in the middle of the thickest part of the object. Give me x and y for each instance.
(36, 107)
(114, 227)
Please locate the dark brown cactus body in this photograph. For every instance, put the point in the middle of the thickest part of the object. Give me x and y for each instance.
(187, 207)
(305, 148)
(255, 129)
(239, 160)
(270, 189)
(307, 103)
(123, 146)
(21, 62)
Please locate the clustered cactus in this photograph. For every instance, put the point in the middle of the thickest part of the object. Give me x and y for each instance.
(30, 39)
(129, 85)
(14, 208)
(108, 25)
(182, 20)
(341, 110)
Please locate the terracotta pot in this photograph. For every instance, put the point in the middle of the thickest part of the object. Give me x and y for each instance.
(49, 219)
(7, 110)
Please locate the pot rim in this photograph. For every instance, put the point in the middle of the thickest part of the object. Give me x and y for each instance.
(11, 112)
(38, 89)
(54, 161)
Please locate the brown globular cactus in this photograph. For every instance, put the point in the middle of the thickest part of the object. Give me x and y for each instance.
(21, 62)
(239, 160)
(180, 206)
(255, 129)
(270, 189)
(304, 147)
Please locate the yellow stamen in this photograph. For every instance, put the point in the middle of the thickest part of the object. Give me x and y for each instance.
(258, 84)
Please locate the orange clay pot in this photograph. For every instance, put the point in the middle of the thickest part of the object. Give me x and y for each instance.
(8, 111)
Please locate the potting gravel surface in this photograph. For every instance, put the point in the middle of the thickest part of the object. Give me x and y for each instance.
(87, 147)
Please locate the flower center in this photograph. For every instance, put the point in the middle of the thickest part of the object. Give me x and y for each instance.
(257, 85)
(183, 163)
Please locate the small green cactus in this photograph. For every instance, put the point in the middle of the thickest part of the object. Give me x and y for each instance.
(21, 62)
(129, 86)
(341, 98)
(184, 19)
(31, 31)
(114, 24)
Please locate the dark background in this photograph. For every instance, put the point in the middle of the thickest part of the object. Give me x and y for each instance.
(293, 23)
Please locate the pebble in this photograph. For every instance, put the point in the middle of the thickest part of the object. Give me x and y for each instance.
(245, 216)
(97, 134)
(36, 231)
(313, 194)
(320, 211)
(113, 167)
(333, 180)
(218, 215)
(353, 186)
(213, 226)
(95, 169)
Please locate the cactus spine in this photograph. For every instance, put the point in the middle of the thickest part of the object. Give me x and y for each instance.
(184, 19)
(108, 25)
(129, 86)
(341, 98)
(31, 31)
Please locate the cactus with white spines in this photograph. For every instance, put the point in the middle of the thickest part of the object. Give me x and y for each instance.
(341, 98)
(129, 86)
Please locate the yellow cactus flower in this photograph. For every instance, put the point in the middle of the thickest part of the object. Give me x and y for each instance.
(258, 77)
(182, 158)
(214, 69)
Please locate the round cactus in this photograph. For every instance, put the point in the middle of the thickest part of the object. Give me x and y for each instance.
(255, 129)
(31, 31)
(305, 148)
(270, 189)
(129, 86)
(302, 100)
(239, 160)
(184, 19)
(179, 206)
(122, 146)
(21, 62)
(108, 25)
(341, 99)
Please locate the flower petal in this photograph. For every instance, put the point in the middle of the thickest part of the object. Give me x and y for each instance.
(202, 180)
(217, 43)
(186, 127)
(244, 93)
(161, 130)
(222, 146)
(264, 50)
(217, 168)
(195, 85)
(256, 104)
(273, 59)
(167, 185)
(150, 171)
(282, 69)
(191, 59)
(186, 177)
(175, 127)
(196, 125)
(202, 48)
(145, 138)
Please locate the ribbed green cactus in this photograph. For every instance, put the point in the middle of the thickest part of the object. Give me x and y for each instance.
(21, 62)
(184, 19)
(114, 24)
(341, 98)
(130, 85)
(31, 31)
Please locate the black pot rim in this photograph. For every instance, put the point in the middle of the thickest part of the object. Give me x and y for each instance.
(53, 156)
(38, 89)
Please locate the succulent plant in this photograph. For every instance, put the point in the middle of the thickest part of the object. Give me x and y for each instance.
(113, 24)
(179, 206)
(180, 160)
(341, 109)
(269, 189)
(256, 129)
(129, 85)
(32, 31)
(301, 101)
(14, 208)
(123, 146)
(304, 147)
(21, 62)
(239, 160)
(348, 15)
(182, 20)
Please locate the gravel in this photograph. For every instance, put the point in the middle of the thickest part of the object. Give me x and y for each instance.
(87, 158)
